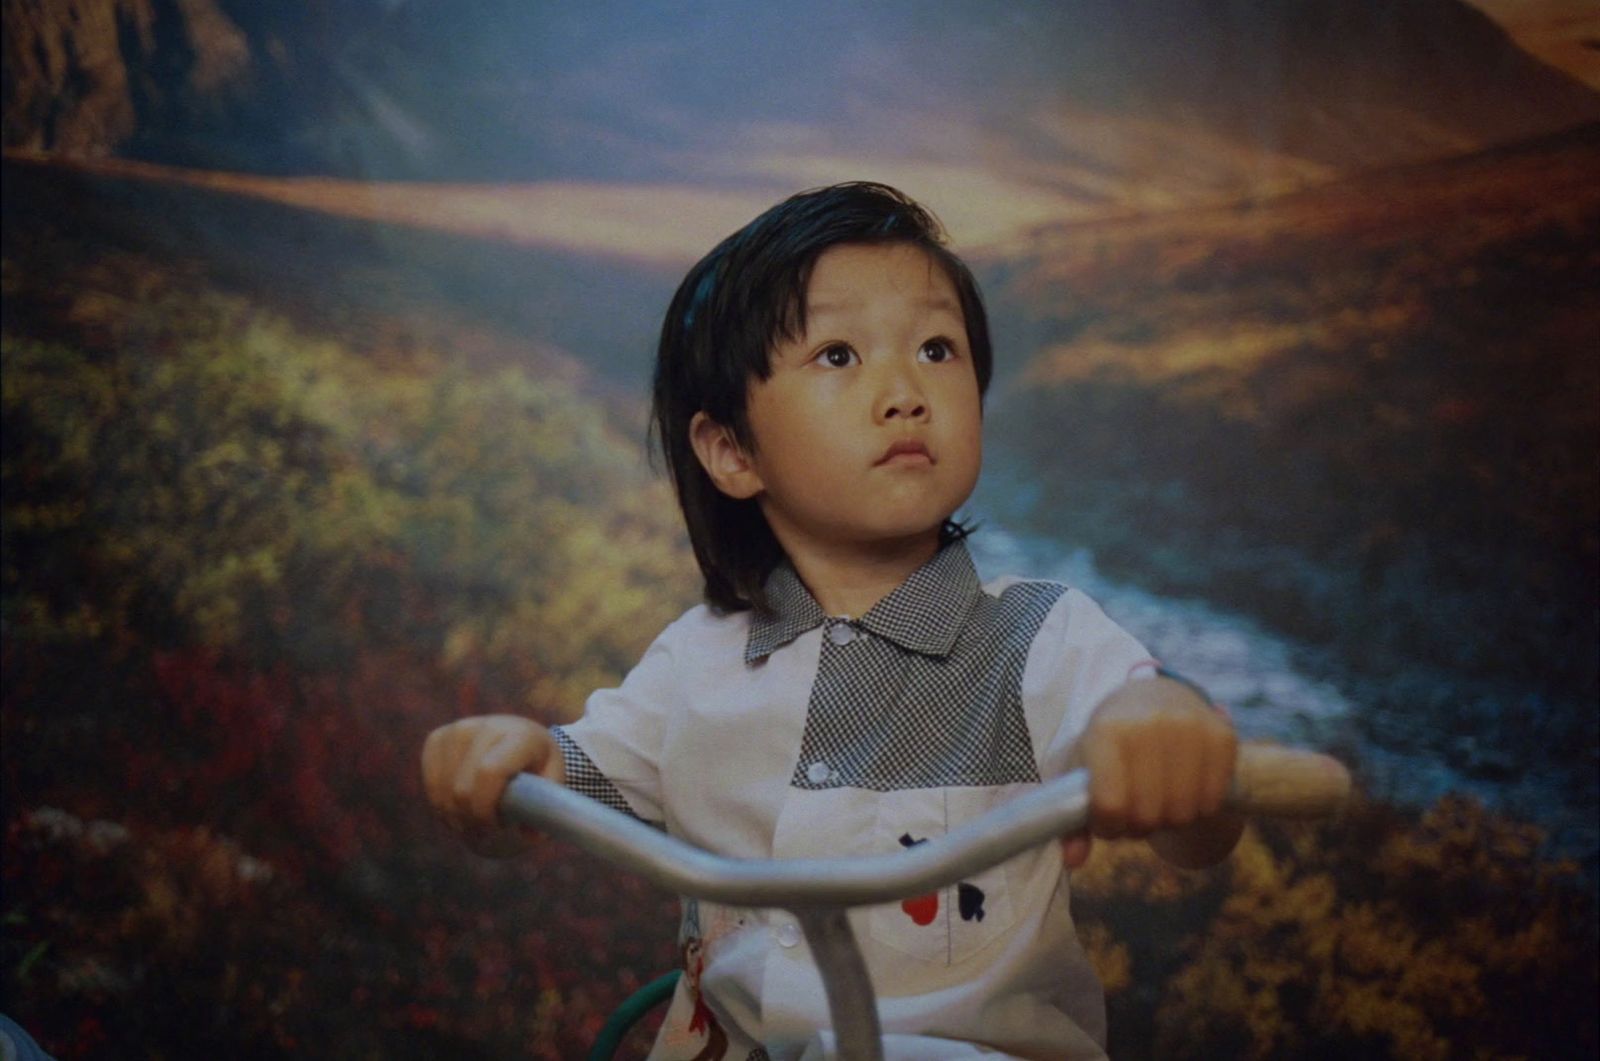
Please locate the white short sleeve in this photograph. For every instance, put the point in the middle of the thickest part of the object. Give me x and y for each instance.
(622, 730)
(1078, 659)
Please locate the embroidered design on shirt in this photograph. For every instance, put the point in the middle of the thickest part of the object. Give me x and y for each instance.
(920, 908)
(923, 909)
(702, 1020)
(969, 901)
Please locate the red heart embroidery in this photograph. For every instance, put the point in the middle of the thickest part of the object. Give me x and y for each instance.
(922, 908)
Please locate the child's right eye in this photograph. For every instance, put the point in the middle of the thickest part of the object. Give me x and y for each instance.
(837, 356)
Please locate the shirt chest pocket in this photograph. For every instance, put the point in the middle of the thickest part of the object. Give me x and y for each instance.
(953, 924)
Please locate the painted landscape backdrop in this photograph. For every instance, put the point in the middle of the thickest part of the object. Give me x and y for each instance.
(326, 333)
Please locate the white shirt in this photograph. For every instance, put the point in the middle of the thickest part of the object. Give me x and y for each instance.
(799, 735)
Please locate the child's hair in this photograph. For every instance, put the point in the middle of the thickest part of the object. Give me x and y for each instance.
(732, 308)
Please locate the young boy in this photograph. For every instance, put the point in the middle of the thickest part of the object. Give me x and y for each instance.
(849, 688)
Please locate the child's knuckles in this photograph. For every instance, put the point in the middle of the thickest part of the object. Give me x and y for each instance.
(1222, 757)
(483, 797)
(435, 753)
(441, 790)
(1106, 816)
(500, 756)
(1106, 734)
(1144, 821)
(531, 753)
(486, 807)
(1217, 792)
(1110, 827)
(1181, 807)
(464, 790)
(1145, 805)
(1108, 794)
(1220, 763)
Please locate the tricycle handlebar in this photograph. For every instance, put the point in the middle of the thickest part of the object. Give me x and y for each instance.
(1268, 780)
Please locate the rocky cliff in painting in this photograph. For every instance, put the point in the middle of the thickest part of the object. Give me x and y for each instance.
(88, 77)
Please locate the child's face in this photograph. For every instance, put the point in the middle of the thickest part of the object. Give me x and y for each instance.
(868, 432)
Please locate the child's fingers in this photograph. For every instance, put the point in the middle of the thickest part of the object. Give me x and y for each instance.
(1183, 782)
(1075, 850)
(463, 768)
(1108, 785)
(440, 767)
(1197, 768)
(1150, 762)
(464, 771)
(496, 755)
(1221, 759)
(1161, 776)
(466, 766)
(1148, 767)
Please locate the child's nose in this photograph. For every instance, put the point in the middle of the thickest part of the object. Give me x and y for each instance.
(905, 407)
(902, 398)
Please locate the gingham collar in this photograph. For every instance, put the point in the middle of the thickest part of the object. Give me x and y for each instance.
(925, 614)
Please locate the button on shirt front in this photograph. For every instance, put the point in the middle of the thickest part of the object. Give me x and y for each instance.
(840, 632)
(796, 735)
(787, 933)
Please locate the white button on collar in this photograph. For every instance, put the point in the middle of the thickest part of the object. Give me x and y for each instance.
(841, 633)
(788, 933)
(818, 772)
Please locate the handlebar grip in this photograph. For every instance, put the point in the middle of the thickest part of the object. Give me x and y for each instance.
(1288, 782)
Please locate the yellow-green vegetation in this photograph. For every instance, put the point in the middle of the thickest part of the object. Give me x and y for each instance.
(1375, 935)
(190, 466)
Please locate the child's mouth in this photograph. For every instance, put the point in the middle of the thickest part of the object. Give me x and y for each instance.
(906, 451)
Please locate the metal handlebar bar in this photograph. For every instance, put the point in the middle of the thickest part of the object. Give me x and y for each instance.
(1267, 780)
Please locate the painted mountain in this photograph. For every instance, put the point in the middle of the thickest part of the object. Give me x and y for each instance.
(1142, 104)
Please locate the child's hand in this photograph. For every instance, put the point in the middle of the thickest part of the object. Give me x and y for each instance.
(467, 765)
(1160, 761)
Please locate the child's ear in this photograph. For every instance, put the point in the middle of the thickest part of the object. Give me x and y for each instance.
(723, 458)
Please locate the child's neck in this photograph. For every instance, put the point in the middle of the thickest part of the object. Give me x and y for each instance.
(849, 580)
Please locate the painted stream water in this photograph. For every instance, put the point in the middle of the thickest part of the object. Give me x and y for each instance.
(1271, 696)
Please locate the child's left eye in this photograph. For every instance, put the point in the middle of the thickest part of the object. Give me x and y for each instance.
(936, 351)
(837, 356)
